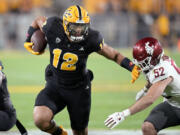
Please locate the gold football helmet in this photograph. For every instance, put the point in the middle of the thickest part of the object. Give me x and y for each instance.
(76, 23)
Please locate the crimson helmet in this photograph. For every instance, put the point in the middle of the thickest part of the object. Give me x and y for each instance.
(147, 53)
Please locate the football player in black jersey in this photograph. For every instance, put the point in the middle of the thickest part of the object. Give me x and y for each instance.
(7, 111)
(71, 41)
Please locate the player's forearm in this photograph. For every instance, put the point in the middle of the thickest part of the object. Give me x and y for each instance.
(141, 104)
(122, 61)
(117, 57)
(38, 22)
(154, 92)
(127, 64)
(111, 54)
(35, 24)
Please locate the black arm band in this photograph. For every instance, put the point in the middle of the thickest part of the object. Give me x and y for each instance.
(127, 64)
(30, 32)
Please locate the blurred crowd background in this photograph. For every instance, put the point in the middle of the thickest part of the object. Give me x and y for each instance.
(121, 22)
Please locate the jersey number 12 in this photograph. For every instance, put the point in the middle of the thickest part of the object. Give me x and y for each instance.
(69, 62)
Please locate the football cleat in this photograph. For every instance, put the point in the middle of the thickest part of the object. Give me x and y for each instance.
(76, 23)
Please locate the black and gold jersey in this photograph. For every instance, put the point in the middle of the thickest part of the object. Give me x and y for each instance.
(68, 59)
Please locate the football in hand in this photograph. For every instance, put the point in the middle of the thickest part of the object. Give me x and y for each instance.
(39, 41)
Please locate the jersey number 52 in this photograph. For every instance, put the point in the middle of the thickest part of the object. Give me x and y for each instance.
(159, 72)
(69, 62)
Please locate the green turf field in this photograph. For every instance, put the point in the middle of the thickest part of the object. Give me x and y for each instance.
(111, 91)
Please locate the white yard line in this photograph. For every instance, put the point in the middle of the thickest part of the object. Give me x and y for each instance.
(100, 132)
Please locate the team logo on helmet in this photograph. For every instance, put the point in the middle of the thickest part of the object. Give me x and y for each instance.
(149, 49)
(67, 13)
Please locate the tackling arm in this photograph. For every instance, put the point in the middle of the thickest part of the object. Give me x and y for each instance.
(112, 54)
(153, 93)
(39, 22)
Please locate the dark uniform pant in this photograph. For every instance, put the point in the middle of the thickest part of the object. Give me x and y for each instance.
(163, 116)
(7, 119)
(76, 99)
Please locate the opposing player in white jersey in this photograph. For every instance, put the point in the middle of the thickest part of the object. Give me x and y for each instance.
(163, 77)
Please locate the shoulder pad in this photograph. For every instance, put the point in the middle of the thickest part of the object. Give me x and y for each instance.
(95, 39)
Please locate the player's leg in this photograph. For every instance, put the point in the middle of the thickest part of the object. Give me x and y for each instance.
(78, 106)
(42, 118)
(7, 120)
(162, 116)
(46, 106)
(80, 132)
(148, 129)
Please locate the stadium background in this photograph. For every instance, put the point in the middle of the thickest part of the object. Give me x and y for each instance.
(121, 22)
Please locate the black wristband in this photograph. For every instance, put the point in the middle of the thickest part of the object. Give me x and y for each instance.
(30, 32)
(127, 64)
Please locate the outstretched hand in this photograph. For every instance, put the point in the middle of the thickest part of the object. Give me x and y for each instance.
(114, 119)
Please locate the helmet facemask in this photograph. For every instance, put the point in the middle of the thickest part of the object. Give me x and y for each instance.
(145, 65)
(77, 31)
(148, 63)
